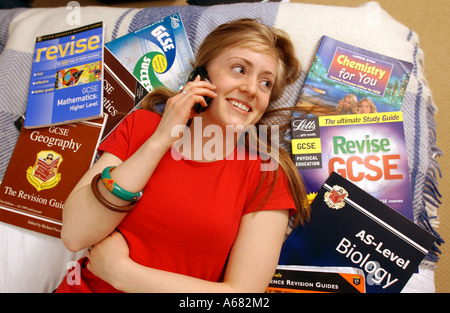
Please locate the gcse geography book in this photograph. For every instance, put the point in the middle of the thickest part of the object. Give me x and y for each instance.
(367, 149)
(339, 69)
(66, 77)
(45, 166)
(350, 228)
(158, 54)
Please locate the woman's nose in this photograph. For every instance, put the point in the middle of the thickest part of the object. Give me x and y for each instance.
(249, 86)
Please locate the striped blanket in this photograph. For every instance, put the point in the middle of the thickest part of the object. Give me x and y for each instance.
(367, 26)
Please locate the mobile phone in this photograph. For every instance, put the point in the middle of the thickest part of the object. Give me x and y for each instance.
(200, 70)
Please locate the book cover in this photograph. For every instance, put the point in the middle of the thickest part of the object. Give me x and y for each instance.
(122, 91)
(350, 228)
(316, 279)
(66, 77)
(158, 54)
(367, 149)
(45, 166)
(372, 82)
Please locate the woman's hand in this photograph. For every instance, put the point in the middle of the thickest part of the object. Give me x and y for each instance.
(107, 256)
(179, 109)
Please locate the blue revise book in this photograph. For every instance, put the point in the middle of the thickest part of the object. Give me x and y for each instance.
(66, 77)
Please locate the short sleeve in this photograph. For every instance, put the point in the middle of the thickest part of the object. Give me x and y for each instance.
(130, 134)
(279, 197)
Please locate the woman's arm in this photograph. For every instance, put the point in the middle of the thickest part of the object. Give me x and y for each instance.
(85, 220)
(251, 264)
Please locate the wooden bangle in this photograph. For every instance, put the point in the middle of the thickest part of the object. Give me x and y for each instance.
(104, 202)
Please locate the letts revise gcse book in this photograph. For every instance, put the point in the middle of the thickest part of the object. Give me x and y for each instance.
(158, 54)
(350, 228)
(367, 149)
(45, 166)
(66, 77)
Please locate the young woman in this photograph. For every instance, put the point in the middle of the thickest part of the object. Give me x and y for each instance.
(366, 105)
(201, 225)
(347, 105)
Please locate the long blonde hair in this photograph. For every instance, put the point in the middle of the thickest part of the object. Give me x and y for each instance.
(269, 40)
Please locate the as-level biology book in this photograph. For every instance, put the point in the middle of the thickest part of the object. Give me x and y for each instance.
(350, 228)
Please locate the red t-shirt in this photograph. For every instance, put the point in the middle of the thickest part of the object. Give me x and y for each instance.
(188, 218)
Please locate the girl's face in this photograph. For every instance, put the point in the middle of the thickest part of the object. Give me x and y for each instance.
(346, 104)
(365, 107)
(244, 80)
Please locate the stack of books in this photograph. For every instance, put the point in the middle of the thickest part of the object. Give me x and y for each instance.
(80, 89)
(354, 163)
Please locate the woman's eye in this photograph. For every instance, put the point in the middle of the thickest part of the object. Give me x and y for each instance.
(266, 84)
(239, 69)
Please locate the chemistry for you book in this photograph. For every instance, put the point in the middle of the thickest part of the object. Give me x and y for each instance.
(350, 228)
(45, 166)
(370, 79)
(66, 77)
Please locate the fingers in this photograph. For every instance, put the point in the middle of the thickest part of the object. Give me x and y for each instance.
(182, 104)
(196, 88)
(112, 235)
(180, 108)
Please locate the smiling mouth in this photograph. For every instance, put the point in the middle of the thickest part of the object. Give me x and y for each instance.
(239, 105)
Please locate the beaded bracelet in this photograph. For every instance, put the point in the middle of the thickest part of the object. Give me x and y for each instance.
(115, 189)
(107, 204)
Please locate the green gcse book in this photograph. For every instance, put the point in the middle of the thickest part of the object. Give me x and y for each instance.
(158, 54)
